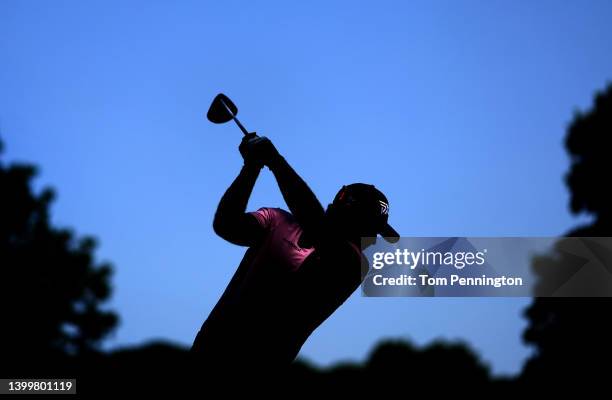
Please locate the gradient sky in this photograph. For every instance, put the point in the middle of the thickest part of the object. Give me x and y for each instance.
(456, 110)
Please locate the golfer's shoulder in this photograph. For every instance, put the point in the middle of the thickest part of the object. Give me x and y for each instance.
(273, 216)
(282, 216)
(352, 251)
(271, 211)
(341, 249)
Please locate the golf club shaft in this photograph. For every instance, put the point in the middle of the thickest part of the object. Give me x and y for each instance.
(229, 110)
(242, 128)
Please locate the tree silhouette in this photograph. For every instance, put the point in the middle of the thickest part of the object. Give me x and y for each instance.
(588, 143)
(571, 335)
(397, 367)
(455, 361)
(51, 286)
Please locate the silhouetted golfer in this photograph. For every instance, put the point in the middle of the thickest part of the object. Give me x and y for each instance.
(299, 268)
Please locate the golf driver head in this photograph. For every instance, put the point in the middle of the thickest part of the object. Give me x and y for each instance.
(221, 109)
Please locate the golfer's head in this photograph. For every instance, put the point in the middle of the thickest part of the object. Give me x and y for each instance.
(361, 210)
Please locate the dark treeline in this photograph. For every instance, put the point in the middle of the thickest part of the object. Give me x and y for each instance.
(571, 336)
(161, 367)
(55, 320)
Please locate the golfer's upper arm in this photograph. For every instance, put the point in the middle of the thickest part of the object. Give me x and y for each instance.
(244, 230)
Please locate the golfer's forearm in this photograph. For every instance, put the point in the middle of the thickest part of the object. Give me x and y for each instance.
(234, 202)
(301, 201)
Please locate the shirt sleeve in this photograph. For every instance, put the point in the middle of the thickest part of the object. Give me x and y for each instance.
(266, 217)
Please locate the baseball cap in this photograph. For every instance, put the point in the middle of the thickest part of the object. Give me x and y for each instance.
(371, 203)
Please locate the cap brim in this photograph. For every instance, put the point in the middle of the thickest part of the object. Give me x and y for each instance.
(389, 234)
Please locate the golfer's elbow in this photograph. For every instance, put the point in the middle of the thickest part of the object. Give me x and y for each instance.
(226, 228)
(242, 230)
(221, 226)
(230, 232)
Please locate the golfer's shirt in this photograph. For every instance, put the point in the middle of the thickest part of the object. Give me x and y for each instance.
(280, 293)
(281, 244)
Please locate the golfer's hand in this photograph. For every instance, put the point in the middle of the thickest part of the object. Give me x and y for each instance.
(258, 151)
(245, 148)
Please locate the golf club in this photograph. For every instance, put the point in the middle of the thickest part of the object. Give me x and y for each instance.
(222, 110)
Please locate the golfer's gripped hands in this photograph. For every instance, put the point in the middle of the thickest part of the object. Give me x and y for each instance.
(258, 151)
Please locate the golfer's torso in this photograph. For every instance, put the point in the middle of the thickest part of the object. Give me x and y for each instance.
(289, 277)
(281, 292)
(282, 303)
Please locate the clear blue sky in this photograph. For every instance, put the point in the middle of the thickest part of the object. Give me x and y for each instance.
(456, 110)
